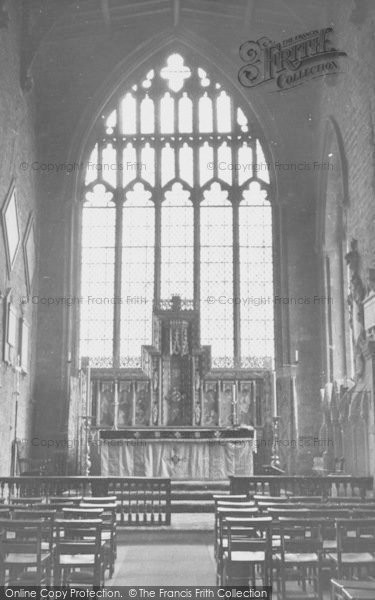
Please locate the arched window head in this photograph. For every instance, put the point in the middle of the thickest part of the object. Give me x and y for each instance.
(175, 202)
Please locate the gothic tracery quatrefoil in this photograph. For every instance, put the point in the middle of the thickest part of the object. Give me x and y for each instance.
(175, 72)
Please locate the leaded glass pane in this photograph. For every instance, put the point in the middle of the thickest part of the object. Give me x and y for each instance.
(137, 271)
(167, 114)
(109, 165)
(256, 276)
(217, 272)
(97, 278)
(147, 115)
(177, 244)
(145, 144)
(128, 107)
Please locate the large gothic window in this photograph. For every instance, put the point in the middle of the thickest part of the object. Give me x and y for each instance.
(176, 202)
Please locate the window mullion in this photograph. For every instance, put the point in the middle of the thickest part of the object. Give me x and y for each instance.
(236, 198)
(218, 144)
(119, 242)
(118, 282)
(157, 201)
(236, 280)
(196, 198)
(215, 141)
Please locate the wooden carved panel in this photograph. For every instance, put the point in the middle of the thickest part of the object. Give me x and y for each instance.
(210, 405)
(142, 403)
(226, 404)
(106, 403)
(176, 398)
(125, 406)
(247, 403)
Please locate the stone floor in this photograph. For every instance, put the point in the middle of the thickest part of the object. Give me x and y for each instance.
(168, 557)
(165, 558)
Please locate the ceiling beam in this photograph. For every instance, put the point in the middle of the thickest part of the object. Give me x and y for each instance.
(249, 13)
(106, 12)
(176, 13)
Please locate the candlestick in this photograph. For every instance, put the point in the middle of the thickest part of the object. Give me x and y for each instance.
(274, 393)
(88, 391)
(17, 370)
(116, 405)
(275, 460)
(234, 401)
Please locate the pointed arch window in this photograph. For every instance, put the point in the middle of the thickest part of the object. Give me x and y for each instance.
(176, 202)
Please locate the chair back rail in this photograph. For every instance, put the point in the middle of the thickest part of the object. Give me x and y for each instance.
(233, 511)
(25, 501)
(245, 504)
(99, 500)
(70, 500)
(32, 513)
(82, 513)
(252, 535)
(230, 497)
(267, 498)
(300, 535)
(355, 535)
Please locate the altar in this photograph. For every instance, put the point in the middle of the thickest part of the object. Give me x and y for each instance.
(185, 453)
(174, 415)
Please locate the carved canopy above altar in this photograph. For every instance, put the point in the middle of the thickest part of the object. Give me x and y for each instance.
(175, 386)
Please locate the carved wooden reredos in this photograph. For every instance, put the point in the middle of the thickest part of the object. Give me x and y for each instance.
(176, 385)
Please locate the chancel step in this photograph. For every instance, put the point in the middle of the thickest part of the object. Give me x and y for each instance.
(195, 496)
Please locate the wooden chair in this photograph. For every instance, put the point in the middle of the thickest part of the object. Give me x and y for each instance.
(107, 514)
(79, 553)
(328, 528)
(248, 557)
(355, 540)
(109, 531)
(300, 557)
(221, 539)
(282, 511)
(231, 511)
(48, 518)
(24, 561)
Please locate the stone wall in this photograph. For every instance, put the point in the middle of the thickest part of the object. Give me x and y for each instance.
(17, 137)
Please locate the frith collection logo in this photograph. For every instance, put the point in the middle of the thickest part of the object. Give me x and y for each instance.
(291, 62)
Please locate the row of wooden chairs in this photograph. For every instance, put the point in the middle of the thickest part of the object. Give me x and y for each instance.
(59, 543)
(292, 539)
